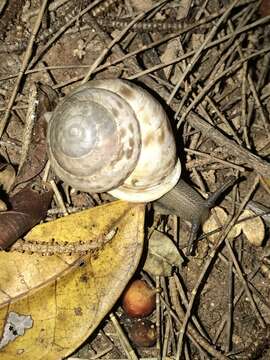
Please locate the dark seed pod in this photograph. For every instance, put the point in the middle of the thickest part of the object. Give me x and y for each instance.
(143, 333)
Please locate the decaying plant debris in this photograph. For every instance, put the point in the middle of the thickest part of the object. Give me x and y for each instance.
(207, 62)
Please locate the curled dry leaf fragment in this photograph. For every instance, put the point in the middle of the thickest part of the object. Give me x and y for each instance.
(162, 255)
(217, 219)
(265, 270)
(138, 299)
(261, 210)
(28, 207)
(253, 229)
(171, 52)
(141, 5)
(7, 176)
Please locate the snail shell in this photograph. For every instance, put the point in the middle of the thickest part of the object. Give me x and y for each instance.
(111, 135)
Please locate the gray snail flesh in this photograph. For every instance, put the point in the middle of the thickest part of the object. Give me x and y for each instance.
(185, 202)
(111, 135)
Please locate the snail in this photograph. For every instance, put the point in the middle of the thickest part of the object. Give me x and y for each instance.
(114, 136)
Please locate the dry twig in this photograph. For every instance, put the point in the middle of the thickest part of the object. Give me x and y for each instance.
(25, 62)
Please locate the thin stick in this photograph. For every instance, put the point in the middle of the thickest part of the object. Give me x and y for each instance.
(244, 106)
(235, 301)
(167, 334)
(2, 5)
(184, 299)
(259, 105)
(25, 62)
(213, 158)
(187, 357)
(117, 39)
(158, 317)
(213, 81)
(58, 197)
(243, 29)
(138, 51)
(230, 307)
(123, 339)
(29, 124)
(200, 50)
(157, 67)
(254, 91)
(212, 256)
(61, 31)
(178, 308)
(245, 284)
(200, 342)
(170, 320)
(223, 118)
(254, 162)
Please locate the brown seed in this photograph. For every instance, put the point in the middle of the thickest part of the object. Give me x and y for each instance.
(138, 299)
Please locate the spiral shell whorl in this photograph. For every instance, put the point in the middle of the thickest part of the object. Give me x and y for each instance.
(94, 140)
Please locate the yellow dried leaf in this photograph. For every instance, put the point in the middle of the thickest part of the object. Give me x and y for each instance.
(50, 305)
(88, 224)
(253, 229)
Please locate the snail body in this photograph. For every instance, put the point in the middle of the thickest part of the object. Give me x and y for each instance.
(111, 135)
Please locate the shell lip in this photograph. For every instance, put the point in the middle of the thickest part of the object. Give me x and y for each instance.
(150, 193)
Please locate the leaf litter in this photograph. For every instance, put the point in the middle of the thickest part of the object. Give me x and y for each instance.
(218, 98)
